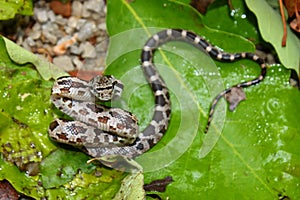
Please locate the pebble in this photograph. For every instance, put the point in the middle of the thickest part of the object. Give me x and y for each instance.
(61, 21)
(94, 5)
(90, 64)
(36, 27)
(41, 15)
(69, 30)
(87, 30)
(78, 64)
(49, 37)
(101, 47)
(64, 39)
(80, 23)
(85, 12)
(51, 16)
(74, 49)
(35, 34)
(102, 26)
(51, 28)
(72, 22)
(24, 44)
(39, 44)
(100, 60)
(88, 50)
(63, 62)
(30, 41)
(76, 9)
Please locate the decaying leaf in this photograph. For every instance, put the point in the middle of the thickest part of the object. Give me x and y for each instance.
(158, 185)
(234, 97)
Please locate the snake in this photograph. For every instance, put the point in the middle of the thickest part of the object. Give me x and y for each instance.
(105, 131)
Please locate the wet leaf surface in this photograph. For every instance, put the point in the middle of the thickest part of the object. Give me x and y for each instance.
(252, 152)
(254, 155)
(29, 160)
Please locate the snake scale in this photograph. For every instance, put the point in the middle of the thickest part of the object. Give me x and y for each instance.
(104, 131)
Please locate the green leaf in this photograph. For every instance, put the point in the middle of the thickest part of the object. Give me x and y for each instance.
(10, 8)
(25, 111)
(56, 173)
(132, 187)
(248, 154)
(271, 29)
(21, 56)
(26, 150)
(78, 178)
(239, 21)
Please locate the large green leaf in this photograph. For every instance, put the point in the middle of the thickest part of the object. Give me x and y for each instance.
(249, 154)
(29, 160)
(253, 155)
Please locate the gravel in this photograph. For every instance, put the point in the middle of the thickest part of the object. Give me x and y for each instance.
(76, 9)
(89, 50)
(64, 62)
(41, 15)
(76, 42)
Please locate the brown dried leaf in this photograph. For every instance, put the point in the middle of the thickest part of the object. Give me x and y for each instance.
(158, 185)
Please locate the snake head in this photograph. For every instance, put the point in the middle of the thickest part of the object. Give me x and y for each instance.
(106, 87)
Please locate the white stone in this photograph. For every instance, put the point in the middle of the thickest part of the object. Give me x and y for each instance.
(89, 50)
(41, 15)
(76, 9)
(63, 62)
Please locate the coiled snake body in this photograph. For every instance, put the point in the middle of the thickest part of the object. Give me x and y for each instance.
(107, 131)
